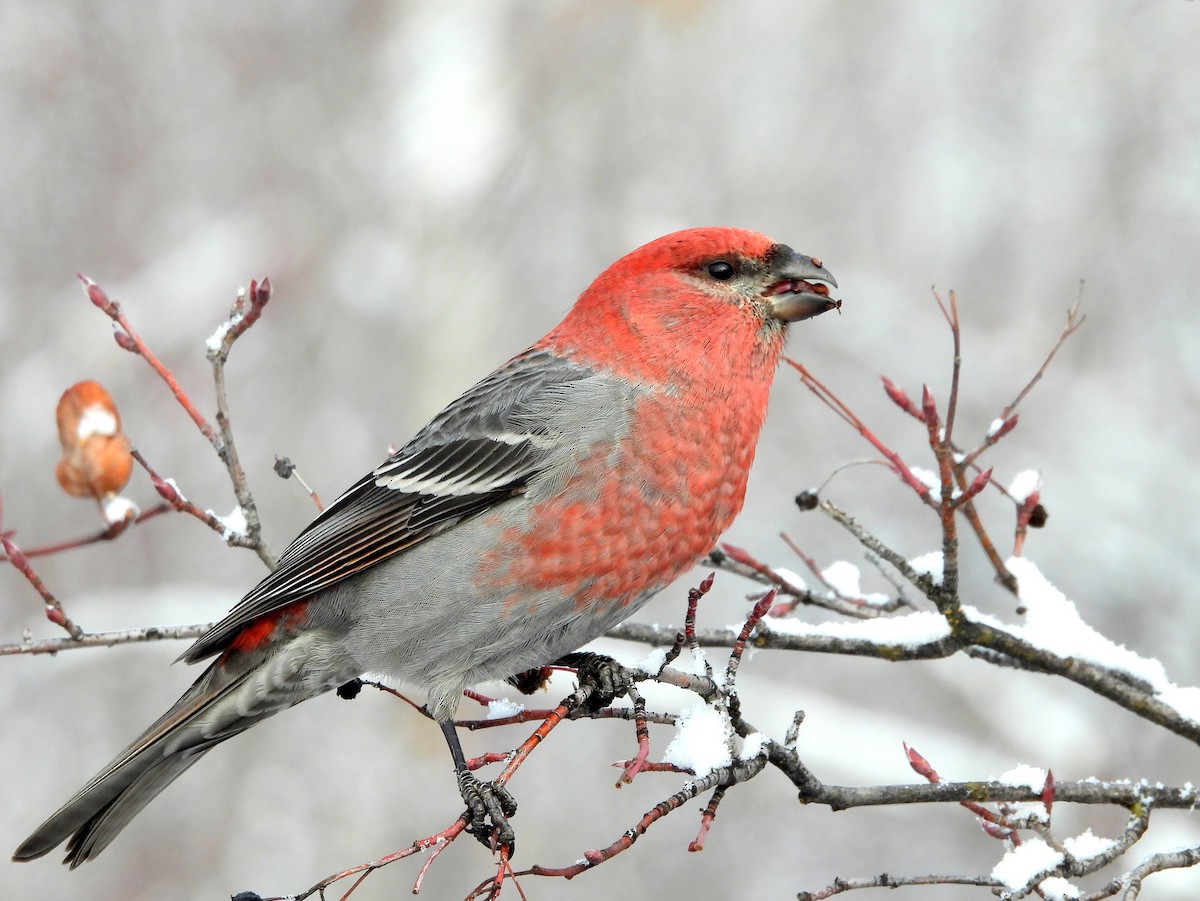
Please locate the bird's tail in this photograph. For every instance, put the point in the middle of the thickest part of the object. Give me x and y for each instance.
(219, 705)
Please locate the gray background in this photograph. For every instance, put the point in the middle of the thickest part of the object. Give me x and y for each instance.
(429, 185)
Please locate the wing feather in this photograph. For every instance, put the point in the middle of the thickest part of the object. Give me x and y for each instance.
(476, 453)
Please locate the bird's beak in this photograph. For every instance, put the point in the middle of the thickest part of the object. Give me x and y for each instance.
(800, 286)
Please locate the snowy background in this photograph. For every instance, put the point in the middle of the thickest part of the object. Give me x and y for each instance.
(428, 186)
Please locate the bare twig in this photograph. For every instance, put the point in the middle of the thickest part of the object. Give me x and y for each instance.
(54, 610)
(109, 533)
(129, 339)
(835, 403)
(246, 310)
(106, 639)
(286, 469)
(1074, 321)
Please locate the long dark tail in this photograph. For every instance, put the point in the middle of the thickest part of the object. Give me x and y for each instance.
(155, 759)
(220, 704)
(95, 816)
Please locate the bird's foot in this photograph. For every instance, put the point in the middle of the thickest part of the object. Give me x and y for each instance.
(608, 679)
(489, 805)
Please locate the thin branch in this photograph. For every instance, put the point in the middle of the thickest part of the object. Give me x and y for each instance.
(951, 314)
(110, 533)
(1074, 321)
(247, 309)
(831, 400)
(106, 639)
(886, 880)
(129, 340)
(54, 610)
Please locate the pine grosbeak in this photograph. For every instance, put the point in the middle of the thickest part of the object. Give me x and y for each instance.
(542, 507)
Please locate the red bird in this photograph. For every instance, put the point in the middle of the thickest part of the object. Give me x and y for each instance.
(542, 507)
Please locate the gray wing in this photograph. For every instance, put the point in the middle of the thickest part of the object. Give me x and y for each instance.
(482, 449)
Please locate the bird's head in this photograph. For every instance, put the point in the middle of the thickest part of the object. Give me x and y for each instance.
(745, 268)
(742, 268)
(696, 291)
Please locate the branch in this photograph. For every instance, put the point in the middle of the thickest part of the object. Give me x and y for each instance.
(106, 639)
(247, 308)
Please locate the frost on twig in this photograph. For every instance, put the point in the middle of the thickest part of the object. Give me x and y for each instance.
(247, 309)
(701, 748)
(98, 459)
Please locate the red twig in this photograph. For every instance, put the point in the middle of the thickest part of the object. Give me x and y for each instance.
(129, 339)
(170, 493)
(706, 817)
(950, 312)
(436, 841)
(654, 767)
(113, 531)
(556, 716)
(689, 619)
(596, 857)
(739, 646)
(835, 403)
(286, 469)
(901, 399)
(1074, 321)
(54, 610)
(438, 849)
(994, 824)
(247, 307)
(639, 763)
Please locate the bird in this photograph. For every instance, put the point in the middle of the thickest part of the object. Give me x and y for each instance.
(545, 505)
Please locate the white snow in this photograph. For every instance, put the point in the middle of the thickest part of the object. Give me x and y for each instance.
(1022, 863)
(701, 742)
(1184, 698)
(171, 482)
(499, 708)
(932, 481)
(216, 338)
(1052, 622)
(846, 581)
(1058, 889)
(1087, 845)
(1024, 484)
(753, 745)
(118, 509)
(997, 425)
(96, 419)
(927, 477)
(843, 577)
(909, 630)
(653, 662)
(1027, 813)
(1033, 777)
(791, 578)
(232, 526)
(931, 564)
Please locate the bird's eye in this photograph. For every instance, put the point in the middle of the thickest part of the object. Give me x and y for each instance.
(721, 270)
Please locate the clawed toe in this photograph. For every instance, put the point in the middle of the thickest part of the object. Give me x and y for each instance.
(489, 806)
(609, 679)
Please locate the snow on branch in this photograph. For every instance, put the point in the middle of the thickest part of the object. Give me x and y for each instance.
(702, 744)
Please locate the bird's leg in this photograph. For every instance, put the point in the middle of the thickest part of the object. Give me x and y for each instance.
(609, 679)
(488, 805)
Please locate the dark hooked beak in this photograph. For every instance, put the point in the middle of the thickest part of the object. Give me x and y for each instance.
(800, 289)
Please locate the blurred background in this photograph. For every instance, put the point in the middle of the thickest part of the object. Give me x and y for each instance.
(429, 185)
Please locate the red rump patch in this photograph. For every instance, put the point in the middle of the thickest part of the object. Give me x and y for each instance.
(259, 632)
